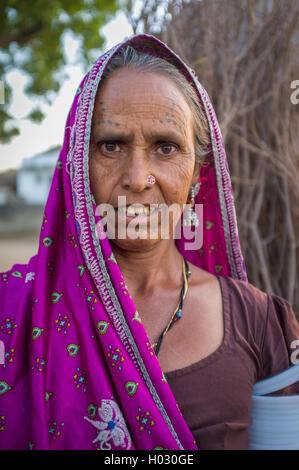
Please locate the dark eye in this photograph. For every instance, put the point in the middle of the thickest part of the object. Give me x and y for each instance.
(167, 149)
(109, 147)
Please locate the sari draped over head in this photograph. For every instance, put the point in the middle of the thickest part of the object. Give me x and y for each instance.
(79, 371)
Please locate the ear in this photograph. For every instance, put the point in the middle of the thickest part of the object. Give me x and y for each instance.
(196, 173)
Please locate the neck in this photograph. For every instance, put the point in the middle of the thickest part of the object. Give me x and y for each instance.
(143, 270)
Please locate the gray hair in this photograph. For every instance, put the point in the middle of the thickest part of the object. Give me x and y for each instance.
(129, 57)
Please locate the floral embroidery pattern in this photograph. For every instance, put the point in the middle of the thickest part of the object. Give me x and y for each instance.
(40, 363)
(80, 379)
(29, 277)
(72, 240)
(47, 241)
(48, 395)
(145, 421)
(149, 347)
(55, 297)
(91, 410)
(36, 332)
(7, 326)
(136, 317)
(8, 357)
(124, 288)
(17, 274)
(81, 269)
(91, 298)
(4, 277)
(4, 387)
(73, 349)
(115, 357)
(131, 388)
(62, 323)
(111, 427)
(102, 327)
(55, 430)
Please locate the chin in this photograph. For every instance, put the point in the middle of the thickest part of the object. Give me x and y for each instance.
(138, 245)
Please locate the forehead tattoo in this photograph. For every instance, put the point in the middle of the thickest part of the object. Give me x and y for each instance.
(171, 115)
(168, 117)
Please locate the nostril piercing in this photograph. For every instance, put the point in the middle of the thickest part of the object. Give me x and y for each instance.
(150, 179)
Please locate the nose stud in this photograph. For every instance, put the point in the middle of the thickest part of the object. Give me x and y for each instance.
(150, 179)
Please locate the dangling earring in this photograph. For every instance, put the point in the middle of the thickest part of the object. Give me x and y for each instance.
(190, 218)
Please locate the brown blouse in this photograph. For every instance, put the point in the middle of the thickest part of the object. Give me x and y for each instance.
(214, 394)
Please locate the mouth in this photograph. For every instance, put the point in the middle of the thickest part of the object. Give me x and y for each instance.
(137, 210)
(151, 220)
(140, 211)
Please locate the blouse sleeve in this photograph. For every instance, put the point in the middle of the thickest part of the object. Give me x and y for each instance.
(280, 345)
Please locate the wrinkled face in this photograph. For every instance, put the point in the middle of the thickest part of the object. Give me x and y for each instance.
(142, 125)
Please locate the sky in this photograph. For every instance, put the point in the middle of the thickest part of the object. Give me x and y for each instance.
(37, 138)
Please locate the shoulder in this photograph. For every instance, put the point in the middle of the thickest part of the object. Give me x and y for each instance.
(241, 298)
(236, 294)
(244, 294)
(259, 308)
(263, 323)
(246, 308)
(266, 320)
(249, 297)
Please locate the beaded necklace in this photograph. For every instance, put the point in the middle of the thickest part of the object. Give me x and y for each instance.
(177, 314)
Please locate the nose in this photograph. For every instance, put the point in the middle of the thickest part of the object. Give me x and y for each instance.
(135, 173)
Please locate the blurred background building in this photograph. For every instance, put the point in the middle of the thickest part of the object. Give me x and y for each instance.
(34, 178)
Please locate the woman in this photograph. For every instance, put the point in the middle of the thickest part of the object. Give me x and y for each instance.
(118, 336)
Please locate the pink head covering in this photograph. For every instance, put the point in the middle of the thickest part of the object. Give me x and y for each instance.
(79, 370)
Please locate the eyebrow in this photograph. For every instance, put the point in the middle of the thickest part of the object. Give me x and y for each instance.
(118, 135)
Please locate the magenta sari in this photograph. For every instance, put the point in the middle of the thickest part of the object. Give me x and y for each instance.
(79, 370)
